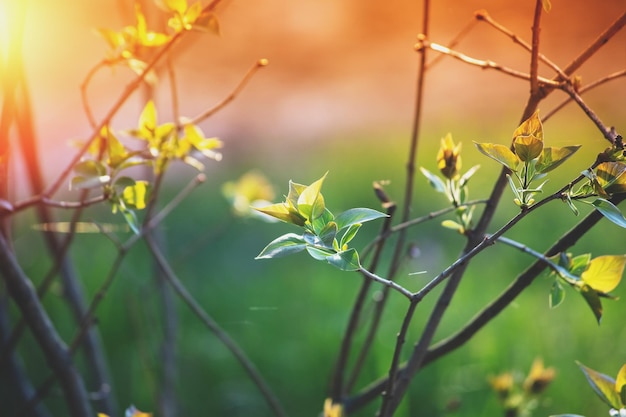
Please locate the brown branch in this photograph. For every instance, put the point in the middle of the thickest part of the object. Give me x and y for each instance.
(261, 63)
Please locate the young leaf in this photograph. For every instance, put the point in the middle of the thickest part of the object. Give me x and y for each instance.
(603, 385)
(451, 224)
(553, 157)
(593, 300)
(434, 180)
(83, 183)
(527, 147)
(530, 127)
(328, 234)
(349, 234)
(90, 168)
(557, 294)
(357, 215)
(283, 212)
(604, 272)
(610, 211)
(500, 153)
(287, 244)
(320, 222)
(611, 176)
(308, 199)
(466, 177)
(319, 253)
(620, 384)
(130, 218)
(345, 260)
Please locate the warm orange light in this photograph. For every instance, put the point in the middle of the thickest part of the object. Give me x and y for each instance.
(12, 18)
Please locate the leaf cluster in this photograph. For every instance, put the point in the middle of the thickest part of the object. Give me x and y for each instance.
(528, 160)
(325, 236)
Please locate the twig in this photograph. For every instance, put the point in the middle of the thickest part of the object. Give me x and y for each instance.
(583, 90)
(484, 64)
(483, 16)
(214, 327)
(608, 133)
(230, 97)
(337, 389)
(454, 42)
(53, 348)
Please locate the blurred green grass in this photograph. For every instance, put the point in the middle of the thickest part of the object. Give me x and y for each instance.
(289, 314)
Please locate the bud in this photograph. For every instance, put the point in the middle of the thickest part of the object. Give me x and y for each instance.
(449, 158)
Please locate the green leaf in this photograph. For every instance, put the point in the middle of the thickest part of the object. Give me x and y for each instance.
(319, 253)
(603, 385)
(309, 202)
(500, 153)
(295, 190)
(466, 177)
(321, 221)
(527, 148)
(557, 294)
(131, 218)
(610, 211)
(347, 260)
(553, 157)
(604, 273)
(579, 264)
(593, 300)
(349, 234)
(434, 180)
(357, 215)
(328, 234)
(287, 244)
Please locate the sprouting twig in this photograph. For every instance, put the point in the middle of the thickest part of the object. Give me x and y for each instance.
(230, 97)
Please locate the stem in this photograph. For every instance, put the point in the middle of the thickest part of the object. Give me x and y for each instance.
(215, 328)
(55, 351)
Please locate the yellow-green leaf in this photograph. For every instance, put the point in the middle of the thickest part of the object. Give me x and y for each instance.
(308, 199)
(604, 272)
(553, 157)
(147, 121)
(611, 176)
(603, 385)
(527, 148)
(620, 384)
(530, 127)
(500, 153)
(283, 212)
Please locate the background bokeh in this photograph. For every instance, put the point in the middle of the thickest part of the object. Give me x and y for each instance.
(337, 96)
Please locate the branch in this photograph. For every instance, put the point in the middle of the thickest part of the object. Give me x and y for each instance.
(236, 91)
(215, 328)
(55, 351)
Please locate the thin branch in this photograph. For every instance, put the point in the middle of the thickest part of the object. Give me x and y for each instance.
(600, 41)
(483, 16)
(454, 42)
(53, 348)
(609, 134)
(583, 90)
(215, 328)
(338, 390)
(423, 44)
(230, 97)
